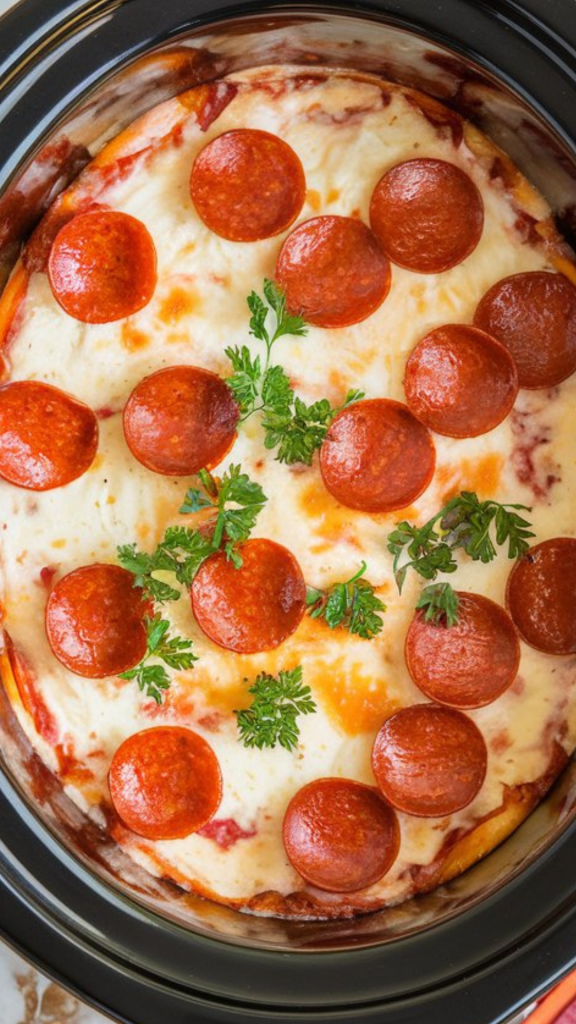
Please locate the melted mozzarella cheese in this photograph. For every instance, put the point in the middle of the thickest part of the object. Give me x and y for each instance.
(346, 137)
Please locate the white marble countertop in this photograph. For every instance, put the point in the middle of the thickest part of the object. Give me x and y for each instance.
(26, 997)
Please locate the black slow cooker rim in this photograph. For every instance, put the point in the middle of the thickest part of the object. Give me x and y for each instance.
(49, 902)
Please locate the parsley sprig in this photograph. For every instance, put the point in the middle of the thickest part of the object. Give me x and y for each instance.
(465, 522)
(441, 604)
(274, 301)
(258, 386)
(237, 500)
(144, 566)
(291, 426)
(175, 652)
(353, 605)
(299, 430)
(271, 718)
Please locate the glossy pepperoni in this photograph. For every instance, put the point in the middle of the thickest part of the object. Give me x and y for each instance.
(95, 621)
(253, 608)
(247, 184)
(180, 419)
(469, 664)
(102, 267)
(429, 760)
(165, 783)
(47, 437)
(460, 382)
(541, 596)
(340, 835)
(377, 457)
(333, 271)
(427, 215)
(534, 316)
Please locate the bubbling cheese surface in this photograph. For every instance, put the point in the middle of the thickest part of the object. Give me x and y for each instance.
(347, 132)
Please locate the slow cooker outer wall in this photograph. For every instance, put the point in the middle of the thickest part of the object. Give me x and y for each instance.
(474, 968)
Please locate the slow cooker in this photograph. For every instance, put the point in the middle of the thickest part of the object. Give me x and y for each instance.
(477, 950)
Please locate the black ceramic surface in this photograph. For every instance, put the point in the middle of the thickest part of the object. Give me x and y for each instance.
(475, 951)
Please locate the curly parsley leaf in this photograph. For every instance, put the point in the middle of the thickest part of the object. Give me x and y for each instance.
(272, 310)
(428, 555)
(294, 428)
(465, 522)
(143, 566)
(277, 393)
(353, 605)
(237, 501)
(246, 380)
(298, 430)
(441, 604)
(271, 718)
(259, 311)
(176, 652)
(256, 386)
(188, 548)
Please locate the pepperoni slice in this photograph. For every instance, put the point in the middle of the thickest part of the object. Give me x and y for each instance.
(165, 783)
(469, 664)
(340, 835)
(377, 457)
(534, 316)
(427, 215)
(460, 382)
(102, 267)
(180, 419)
(247, 185)
(429, 760)
(95, 621)
(47, 437)
(253, 608)
(333, 271)
(541, 596)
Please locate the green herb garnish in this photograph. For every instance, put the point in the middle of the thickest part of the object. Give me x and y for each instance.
(465, 522)
(353, 605)
(295, 429)
(271, 718)
(441, 604)
(299, 430)
(143, 566)
(175, 652)
(238, 502)
(256, 386)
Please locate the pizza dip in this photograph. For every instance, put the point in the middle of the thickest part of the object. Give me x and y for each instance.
(288, 552)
